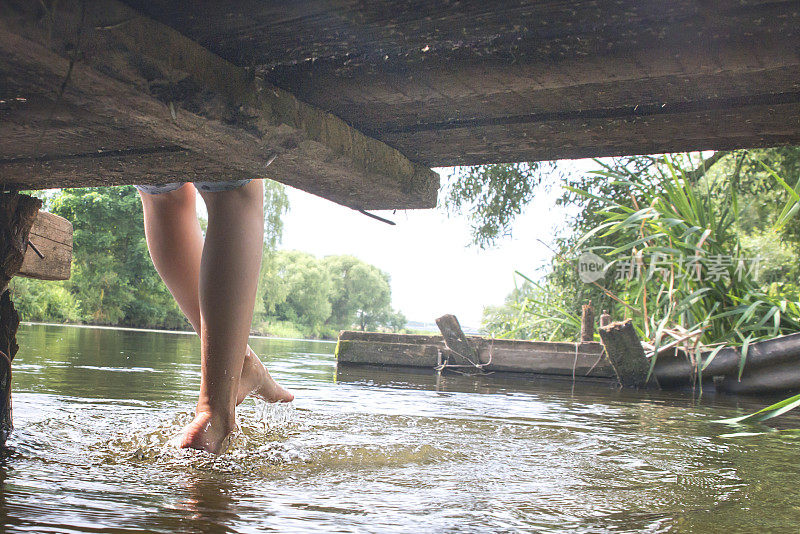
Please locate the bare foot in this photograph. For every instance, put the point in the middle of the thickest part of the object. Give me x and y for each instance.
(205, 433)
(257, 381)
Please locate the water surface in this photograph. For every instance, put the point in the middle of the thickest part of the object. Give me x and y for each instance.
(371, 451)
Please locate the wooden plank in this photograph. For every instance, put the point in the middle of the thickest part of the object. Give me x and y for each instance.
(521, 357)
(475, 83)
(138, 76)
(52, 237)
(393, 354)
(386, 337)
(748, 126)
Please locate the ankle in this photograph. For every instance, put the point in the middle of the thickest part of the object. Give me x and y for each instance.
(223, 421)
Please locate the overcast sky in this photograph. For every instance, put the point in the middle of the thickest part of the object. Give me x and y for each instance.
(433, 268)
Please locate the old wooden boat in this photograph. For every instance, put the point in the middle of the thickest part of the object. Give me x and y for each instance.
(621, 359)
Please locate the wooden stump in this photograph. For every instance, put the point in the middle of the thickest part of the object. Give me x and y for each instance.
(587, 323)
(460, 349)
(605, 318)
(626, 353)
(17, 215)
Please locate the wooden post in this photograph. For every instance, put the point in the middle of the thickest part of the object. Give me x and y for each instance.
(17, 215)
(456, 340)
(587, 323)
(626, 353)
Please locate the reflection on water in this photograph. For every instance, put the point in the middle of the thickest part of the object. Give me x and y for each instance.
(370, 450)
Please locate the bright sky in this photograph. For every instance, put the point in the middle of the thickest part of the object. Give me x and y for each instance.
(433, 268)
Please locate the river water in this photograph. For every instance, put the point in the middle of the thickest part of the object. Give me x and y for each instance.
(371, 450)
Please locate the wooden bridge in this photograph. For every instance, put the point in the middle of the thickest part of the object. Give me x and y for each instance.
(354, 100)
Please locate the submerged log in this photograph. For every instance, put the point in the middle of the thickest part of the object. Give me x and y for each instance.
(626, 353)
(784, 376)
(760, 354)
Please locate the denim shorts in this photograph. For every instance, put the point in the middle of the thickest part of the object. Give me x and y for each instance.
(210, 187)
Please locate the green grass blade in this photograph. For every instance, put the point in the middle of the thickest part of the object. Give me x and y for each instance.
(765, 413)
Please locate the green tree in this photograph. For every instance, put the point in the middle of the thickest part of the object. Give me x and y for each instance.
(298, 289)
(276, 205)
(44, 302)
(361, 293)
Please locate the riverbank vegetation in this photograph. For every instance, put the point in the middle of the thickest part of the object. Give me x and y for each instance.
(113, 281)
(708, 246)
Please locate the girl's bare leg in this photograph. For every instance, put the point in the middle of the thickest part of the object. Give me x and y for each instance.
(175, 242)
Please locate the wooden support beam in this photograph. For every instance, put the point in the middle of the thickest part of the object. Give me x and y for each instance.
(89, 86)
(49, 254)
(17, 215)
(9, 322)
(625, 351)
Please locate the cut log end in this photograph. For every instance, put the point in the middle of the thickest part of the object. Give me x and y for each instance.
(49, 254)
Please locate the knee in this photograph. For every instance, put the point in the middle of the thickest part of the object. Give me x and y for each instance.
(247, 197)
(183, 197)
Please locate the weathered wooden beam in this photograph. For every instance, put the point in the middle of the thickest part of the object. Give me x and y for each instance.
(9, 322)
(625, 351)
(123, 83)
(49, 254)
(551, 137)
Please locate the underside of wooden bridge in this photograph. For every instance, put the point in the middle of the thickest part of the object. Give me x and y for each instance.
(355, 100)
